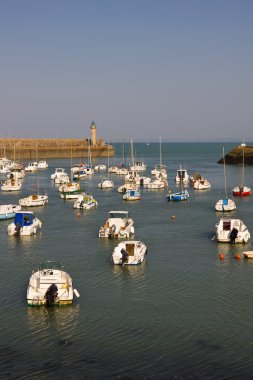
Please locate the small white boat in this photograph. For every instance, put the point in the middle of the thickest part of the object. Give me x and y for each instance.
(80, 174)
(85, 202)
(132, 176)
(34, 200)
(122, 171)
(100, 168)
(106, 184)
(24, 224)
(12, 184)
(158, 183)
(132, 195)
(62, 179)
(32, 167)
(159, 169)
(143, 181)
(118, 225)
(202, 184)
(138, 166)
(182, 176)
(230, 230)
(8, 211)
(248, 254)
(16, 173)
(69, 186)
(42, 165)
(225, 204)
(113, 169)
(127, 186)
(242, 190)
(130, 252)
(58, 172)
(50, 285)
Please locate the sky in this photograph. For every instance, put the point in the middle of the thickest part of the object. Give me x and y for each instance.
(181, 69)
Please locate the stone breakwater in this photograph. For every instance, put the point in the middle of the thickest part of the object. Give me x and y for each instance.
(20, 149)
(235, 156)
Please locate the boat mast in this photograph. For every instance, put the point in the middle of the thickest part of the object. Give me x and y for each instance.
(160, 152)
(224, 169)
(132, 153)
(243, 174)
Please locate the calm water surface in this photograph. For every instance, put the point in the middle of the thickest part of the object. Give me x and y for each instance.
(183, 314)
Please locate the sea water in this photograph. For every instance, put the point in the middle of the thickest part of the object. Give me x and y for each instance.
(182, 314)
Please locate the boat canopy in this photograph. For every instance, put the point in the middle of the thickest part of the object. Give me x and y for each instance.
(118, 214)
(23, 218)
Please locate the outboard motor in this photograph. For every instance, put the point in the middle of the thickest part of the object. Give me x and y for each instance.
(51, 294)
(112, 231)
(18, 228)
(124, 256)
(141, 182)
(233, 235)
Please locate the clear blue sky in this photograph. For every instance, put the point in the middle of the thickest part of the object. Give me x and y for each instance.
(179, 69)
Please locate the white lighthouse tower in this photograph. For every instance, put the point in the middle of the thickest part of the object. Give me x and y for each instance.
(93, 133)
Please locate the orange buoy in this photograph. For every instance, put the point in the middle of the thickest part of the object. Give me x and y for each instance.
(237, 256)
(222, 256)
(173, 217)
(78, 215)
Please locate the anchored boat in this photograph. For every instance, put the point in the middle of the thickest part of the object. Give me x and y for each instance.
(118, 225)
(24, 224)
(130, 252)
(50, 285)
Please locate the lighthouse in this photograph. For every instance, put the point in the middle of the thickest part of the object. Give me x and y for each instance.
(93, 133)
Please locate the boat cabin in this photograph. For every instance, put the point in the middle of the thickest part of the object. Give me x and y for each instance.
(24, 218)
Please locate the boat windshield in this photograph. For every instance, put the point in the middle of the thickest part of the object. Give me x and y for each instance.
(118, 214)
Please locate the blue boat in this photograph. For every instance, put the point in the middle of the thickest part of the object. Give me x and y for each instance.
(8, 211)
(180, 196)
(132, 195)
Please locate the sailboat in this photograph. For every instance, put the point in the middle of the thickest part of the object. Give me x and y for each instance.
(137, 166)
(160, 168)
(71, 190)
(225, 204)
(242, 190)
(106, 183)
(88, 168)
(182, 195)
(35, 199)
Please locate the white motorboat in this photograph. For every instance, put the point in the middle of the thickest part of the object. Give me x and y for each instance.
(58, 173)
(8, 211)
(106, 184)
(34, 200)
(130, 252)
(12, 184)
(69, 186)
(143, 181)
(127, 186)
(24, 224)
(32, 167)
(118, 225)
(85, 202)
(113, 169)
(16, 173)
(225, 204)
(182, 195)
(158, 183)
(182, 176)
(122, 171)
(202, 184)
(138, 166)
(100, 168)
(50, 285)
(62, 179)
(42, 165)
(230, 230)
(132, 195)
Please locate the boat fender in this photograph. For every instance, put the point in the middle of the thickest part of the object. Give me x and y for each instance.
(77, 294)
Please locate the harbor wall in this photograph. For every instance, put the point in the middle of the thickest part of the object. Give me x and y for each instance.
(21, 149)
